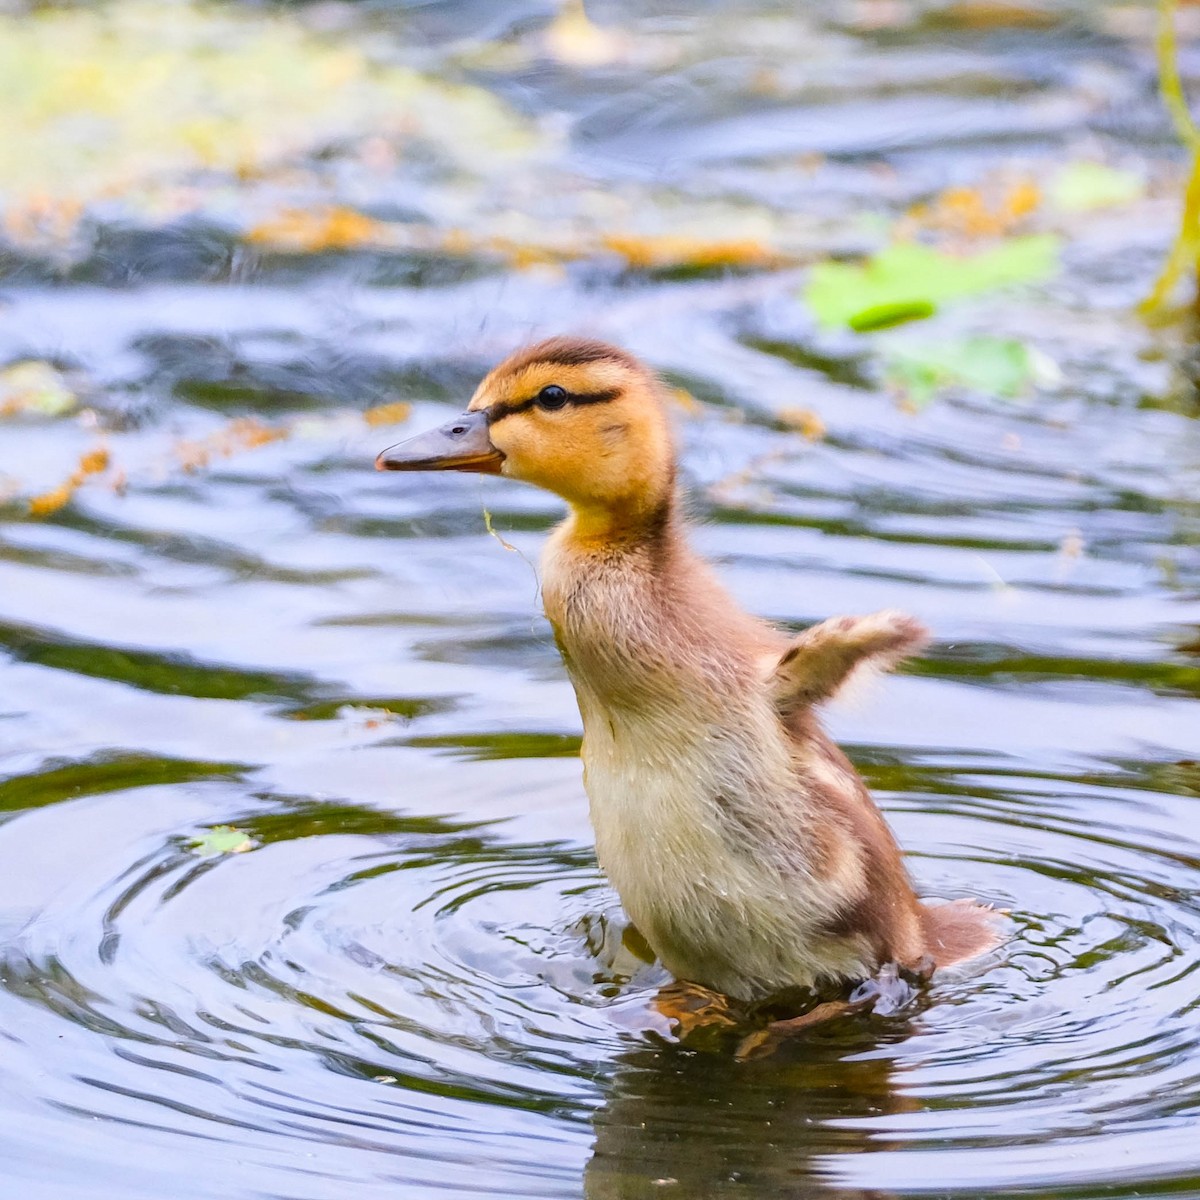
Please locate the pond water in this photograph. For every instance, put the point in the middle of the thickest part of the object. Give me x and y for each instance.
(411, 980)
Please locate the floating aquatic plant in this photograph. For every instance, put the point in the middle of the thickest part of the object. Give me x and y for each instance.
(909, 280)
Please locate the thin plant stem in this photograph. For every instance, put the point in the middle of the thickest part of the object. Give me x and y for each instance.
(1185, 251)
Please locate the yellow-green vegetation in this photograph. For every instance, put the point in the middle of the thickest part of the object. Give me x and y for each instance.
(1184, 255)
(965, 243)
(221, 839)
(1084, 186)
(170, 108)
(996, 366)
(35, 388)
(117, 100)
(909, 280)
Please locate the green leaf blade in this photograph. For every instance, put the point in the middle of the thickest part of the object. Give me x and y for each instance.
(910, 281)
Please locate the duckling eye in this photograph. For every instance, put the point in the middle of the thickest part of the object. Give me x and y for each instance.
(552, 397)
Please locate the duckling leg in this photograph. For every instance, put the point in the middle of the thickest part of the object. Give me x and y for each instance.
(885, 993)
(762, 1043)
(822, 658)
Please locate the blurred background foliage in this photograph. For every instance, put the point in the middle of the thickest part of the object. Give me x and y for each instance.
(145, 139)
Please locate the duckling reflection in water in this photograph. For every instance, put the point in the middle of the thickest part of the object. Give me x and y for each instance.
(743, 844)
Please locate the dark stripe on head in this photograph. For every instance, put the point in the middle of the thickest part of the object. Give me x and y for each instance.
(509, 408)
(571, 352)
(581, 354)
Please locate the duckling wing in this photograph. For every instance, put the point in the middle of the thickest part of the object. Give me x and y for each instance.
(822, 658)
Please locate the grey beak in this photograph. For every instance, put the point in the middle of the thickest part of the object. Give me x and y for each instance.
(460, 445)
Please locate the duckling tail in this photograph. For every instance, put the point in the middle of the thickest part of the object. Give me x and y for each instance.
(959, 930)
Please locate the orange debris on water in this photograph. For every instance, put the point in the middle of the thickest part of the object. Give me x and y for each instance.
(457, 242)
(998, 14)
(976, 212)
(249, 433)
(804, 421)
(302, 231)
(51, 502)
(642, 251)
(94, 462)
(42, 218)
(388, 414)
(523, 255)
(243, 433)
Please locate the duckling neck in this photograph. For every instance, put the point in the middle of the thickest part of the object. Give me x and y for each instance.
(636, 612)
(623, 523)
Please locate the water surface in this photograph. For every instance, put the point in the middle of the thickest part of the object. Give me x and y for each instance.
(412, 982)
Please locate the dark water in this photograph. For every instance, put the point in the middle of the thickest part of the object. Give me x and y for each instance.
(413, 983)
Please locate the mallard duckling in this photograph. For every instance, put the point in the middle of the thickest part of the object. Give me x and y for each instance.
(743, 844)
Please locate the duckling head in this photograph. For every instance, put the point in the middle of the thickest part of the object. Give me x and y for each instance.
(581, 418)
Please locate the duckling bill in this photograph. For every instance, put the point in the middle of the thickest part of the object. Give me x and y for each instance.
(742, 842)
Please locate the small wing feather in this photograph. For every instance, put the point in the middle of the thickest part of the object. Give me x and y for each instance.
(822, 658)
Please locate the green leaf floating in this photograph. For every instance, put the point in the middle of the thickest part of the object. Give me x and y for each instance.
(221, 839)
(997, 366)
(1085, 186)
(909, 280)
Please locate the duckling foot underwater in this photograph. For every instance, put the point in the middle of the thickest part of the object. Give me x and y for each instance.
(889, 991)
(701, 1019)
(743, 844)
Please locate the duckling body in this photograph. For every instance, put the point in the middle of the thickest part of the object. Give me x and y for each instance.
(741, 841)
(728, 832)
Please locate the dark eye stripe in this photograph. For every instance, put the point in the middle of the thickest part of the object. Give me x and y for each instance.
(498, 412)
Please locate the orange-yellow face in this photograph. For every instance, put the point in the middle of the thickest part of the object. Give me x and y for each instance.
(579, 418)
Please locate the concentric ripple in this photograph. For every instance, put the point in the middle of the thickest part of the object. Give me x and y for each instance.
(329, 989)
(366, 999)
